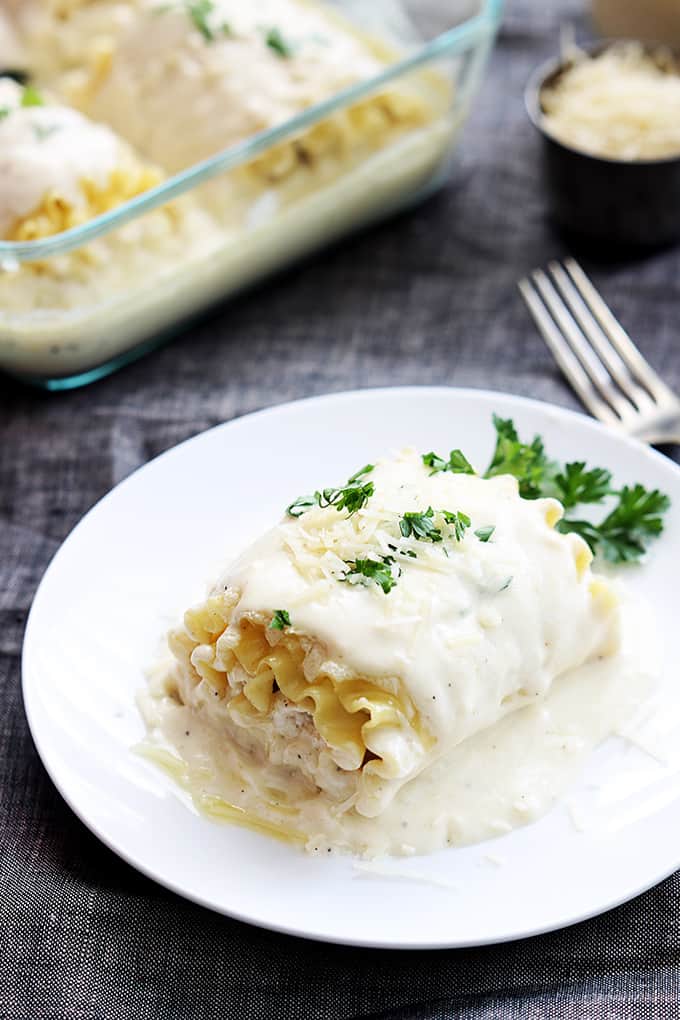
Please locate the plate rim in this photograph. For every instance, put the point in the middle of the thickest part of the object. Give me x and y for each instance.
(519, 401)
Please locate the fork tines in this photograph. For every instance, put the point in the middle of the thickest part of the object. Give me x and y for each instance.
(595, 353)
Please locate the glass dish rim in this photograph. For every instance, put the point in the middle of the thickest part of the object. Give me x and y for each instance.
(466, 35)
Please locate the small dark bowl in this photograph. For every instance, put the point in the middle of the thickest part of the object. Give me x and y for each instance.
(625, 204)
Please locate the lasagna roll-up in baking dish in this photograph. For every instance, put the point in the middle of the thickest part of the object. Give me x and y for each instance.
(182, 81)
(59, 170)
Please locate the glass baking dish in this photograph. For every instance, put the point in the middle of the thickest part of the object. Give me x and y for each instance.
(64, 323)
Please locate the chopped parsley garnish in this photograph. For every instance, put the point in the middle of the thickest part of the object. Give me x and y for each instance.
(277, 42)
(31, 97)
(526, 461)
(484, 534)
(381, 571)
(457, 463)
(505, 586)
(420, 526)
(459, 521)
(351, 497)
(280, 620)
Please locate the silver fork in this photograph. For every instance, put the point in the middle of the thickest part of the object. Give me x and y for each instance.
(599, 359)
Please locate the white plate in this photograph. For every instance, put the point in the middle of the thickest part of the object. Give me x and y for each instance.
(147, 550)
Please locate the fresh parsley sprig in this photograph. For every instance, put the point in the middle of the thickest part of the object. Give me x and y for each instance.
(527, 462)
(576, 484)
(623, 536)
(384, 572)
(624, 533)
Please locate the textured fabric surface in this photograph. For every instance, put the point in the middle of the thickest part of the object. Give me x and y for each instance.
(428, 298)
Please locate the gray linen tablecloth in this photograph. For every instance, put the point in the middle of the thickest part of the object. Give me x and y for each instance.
(428, 298)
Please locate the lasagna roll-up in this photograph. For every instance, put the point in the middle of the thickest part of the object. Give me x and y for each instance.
(380, 625)
(183, 81)
(59, 169)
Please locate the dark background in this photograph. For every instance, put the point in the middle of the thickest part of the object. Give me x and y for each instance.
(428, 298)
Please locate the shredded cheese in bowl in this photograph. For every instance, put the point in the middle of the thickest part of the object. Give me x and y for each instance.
(622, 104)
